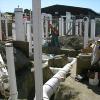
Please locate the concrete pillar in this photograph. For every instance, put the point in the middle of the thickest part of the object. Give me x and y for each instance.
(25, 26)
(6, 26)
(92, 29)
(62, 26)
(11, 71)
(46, 26)
(36, 12)
(68, 18)
(29, 36)
(86, 28)
(13, 31)
(71, 26)
(0, 28)
(42, 25)
(50, 19)
(76, 28)
(80, 27)
(19, 27)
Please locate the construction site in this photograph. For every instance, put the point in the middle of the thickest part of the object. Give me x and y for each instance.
(50, 54)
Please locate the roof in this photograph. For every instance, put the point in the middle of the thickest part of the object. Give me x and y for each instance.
(58, 10)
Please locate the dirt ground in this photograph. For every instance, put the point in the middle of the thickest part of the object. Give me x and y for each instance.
(74, 90)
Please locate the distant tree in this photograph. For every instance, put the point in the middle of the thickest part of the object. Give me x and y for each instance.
(27, 11)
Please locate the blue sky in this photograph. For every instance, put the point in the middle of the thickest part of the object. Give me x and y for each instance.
(9, 5)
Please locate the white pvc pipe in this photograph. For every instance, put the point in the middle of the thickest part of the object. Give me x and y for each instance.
(55, 70)
(52, 84)
(0, 28)
(36, 12)
(11, 71)
(19, 27)
(93, 29)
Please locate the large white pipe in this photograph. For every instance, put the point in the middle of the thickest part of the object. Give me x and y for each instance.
(19, 27)
(51, 85)
(93, 29)
(86, 28)
(0, 28)
(36, 12)
(11, 71)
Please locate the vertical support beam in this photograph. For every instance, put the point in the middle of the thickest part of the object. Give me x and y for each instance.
(68, 18)
(19, 27)
(86, 28)
(11, 71)
(62, 26)
(0, 28)
(92, 29)
(6, 26)
(46, 25)
(29, 36)
(76, 28)
(80, 27)
(42, 25)
(36, 10)
(13, 31)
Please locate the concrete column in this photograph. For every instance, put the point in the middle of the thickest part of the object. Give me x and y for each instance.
(29, 36)
(92, 29)
(68, 18)
(11, 71)
(80, 27)
(71, 25)
(36, 12)
(62, 26)
(25, 26)
(76, 28)
(13, 31)
(6, 26)
(19, 27)
(0, 28)
(50, 18)
(46, 26)
(42, 25)
(86, 28)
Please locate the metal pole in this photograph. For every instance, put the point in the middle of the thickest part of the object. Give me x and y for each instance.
(37, 33)
(11, 71)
